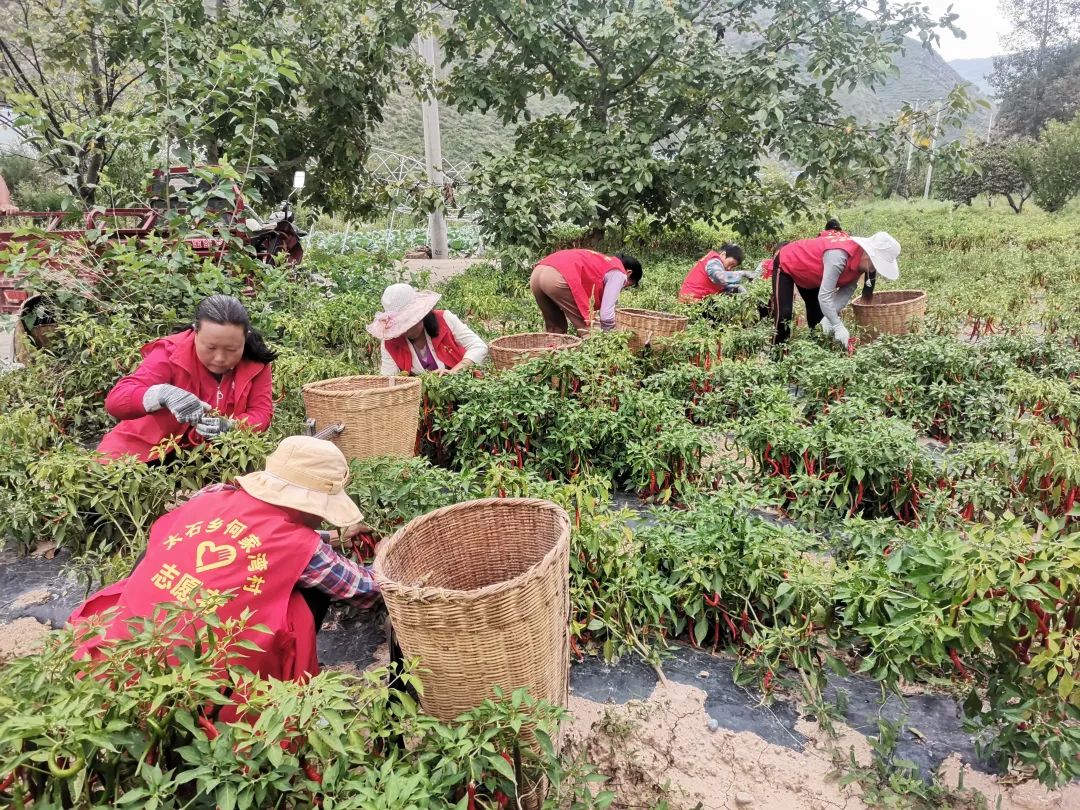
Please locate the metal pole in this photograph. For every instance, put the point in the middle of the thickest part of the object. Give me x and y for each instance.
(429, 105)
(930, 165)
(990, 125)
(910, 149)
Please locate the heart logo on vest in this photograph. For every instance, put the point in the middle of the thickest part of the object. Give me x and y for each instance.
(210, 556)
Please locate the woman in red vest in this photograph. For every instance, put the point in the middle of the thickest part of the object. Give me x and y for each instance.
(825, 270)
(250, 546)
(417, 338)
(714, 273)
(833, 228)
(568, 284)
(194, 385)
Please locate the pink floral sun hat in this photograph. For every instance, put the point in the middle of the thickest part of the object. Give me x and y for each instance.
(403, 308)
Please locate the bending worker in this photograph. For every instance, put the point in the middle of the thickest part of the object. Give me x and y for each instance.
(714, 273)
(251, 545)
(826, 270)
(194, 385)
(6, 206)
(568, 284)
(416, 337)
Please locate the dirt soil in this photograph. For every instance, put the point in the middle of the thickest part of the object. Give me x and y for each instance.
(23, 636)
(667, 748)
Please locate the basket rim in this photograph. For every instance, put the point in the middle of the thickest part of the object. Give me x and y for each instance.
(570, 340)
(651, 313)
(401, 382)
(428, 593)
(878, 307)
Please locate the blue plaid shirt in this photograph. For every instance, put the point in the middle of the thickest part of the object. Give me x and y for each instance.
(340, 577)
(329, 571)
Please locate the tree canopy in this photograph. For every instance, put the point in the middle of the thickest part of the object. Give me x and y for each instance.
(677, 105)
(268, 85)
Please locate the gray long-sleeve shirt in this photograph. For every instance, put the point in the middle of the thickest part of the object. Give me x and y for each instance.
(833, 299)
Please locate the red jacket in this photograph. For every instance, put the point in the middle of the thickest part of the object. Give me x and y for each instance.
(223, 541)
(446, 347)
(584, 271)
(804, 260)
(697, 284)
(245, 393)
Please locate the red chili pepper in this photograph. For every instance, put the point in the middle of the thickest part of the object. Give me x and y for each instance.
(731, 625)
(766, 682)
(574, 648)
(312, 773)
(886, 551)
(693, 636)
(471, 791)
(502, 799)
(9, 780)
(520, 457)
(715, 601)
(211, 730)
(959, 665)
(744, 623)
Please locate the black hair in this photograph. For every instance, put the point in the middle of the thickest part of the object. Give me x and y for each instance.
(833, 225)
(734, 251)
(228, 311)
(632, 265)
(431, 324)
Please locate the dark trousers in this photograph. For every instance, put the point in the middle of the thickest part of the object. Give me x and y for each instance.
(318, 603)
(783, 304)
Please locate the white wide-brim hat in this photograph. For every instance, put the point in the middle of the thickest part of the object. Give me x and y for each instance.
(883, 251)
(403, 308)
(306, 474)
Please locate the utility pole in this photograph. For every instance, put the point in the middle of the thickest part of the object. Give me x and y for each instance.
(429, 105)
(910, 149)
(930, 166)
(990, 125)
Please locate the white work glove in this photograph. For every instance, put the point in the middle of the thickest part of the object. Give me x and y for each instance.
(183, 405)
(840, 335)
(825, 326)
(210, 427)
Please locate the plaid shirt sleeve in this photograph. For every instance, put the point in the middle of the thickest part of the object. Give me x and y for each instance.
(340, 577)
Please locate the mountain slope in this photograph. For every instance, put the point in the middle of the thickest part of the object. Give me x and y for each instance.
(923, 77)
(976, 71)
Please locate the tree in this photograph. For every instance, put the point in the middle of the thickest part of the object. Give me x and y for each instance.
(1002, 168)
(1057, 166)
(676, 104)
(1039, 80)
(269, 85)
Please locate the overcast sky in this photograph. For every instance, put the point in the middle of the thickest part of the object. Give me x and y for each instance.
(979, 19)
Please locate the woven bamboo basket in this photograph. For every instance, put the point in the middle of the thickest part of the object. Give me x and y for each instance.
(648, 326)
(894, 312)
(380, 414)
(479, 592)
(509, 350)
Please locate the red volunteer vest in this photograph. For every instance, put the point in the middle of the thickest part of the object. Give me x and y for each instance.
(225, 541)
(446, 347)
(584, 271)
(697, 284)
(803, 260)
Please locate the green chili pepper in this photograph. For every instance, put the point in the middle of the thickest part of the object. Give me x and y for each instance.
(68, 772)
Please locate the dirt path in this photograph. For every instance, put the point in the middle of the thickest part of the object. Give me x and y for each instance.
(22, 637)
(667, 748)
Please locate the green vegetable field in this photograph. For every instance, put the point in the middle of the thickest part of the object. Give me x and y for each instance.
(908, 512)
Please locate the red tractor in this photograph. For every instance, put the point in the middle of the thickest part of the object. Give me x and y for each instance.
(231, 221)
(168, 190)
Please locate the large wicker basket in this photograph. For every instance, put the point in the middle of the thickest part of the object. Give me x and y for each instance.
(380, 414)
(894, 312)
(509, 350)
(648, 326)
(479, 592)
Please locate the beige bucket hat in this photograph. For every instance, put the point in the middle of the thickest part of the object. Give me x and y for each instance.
(403, 308)
(308, 475)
